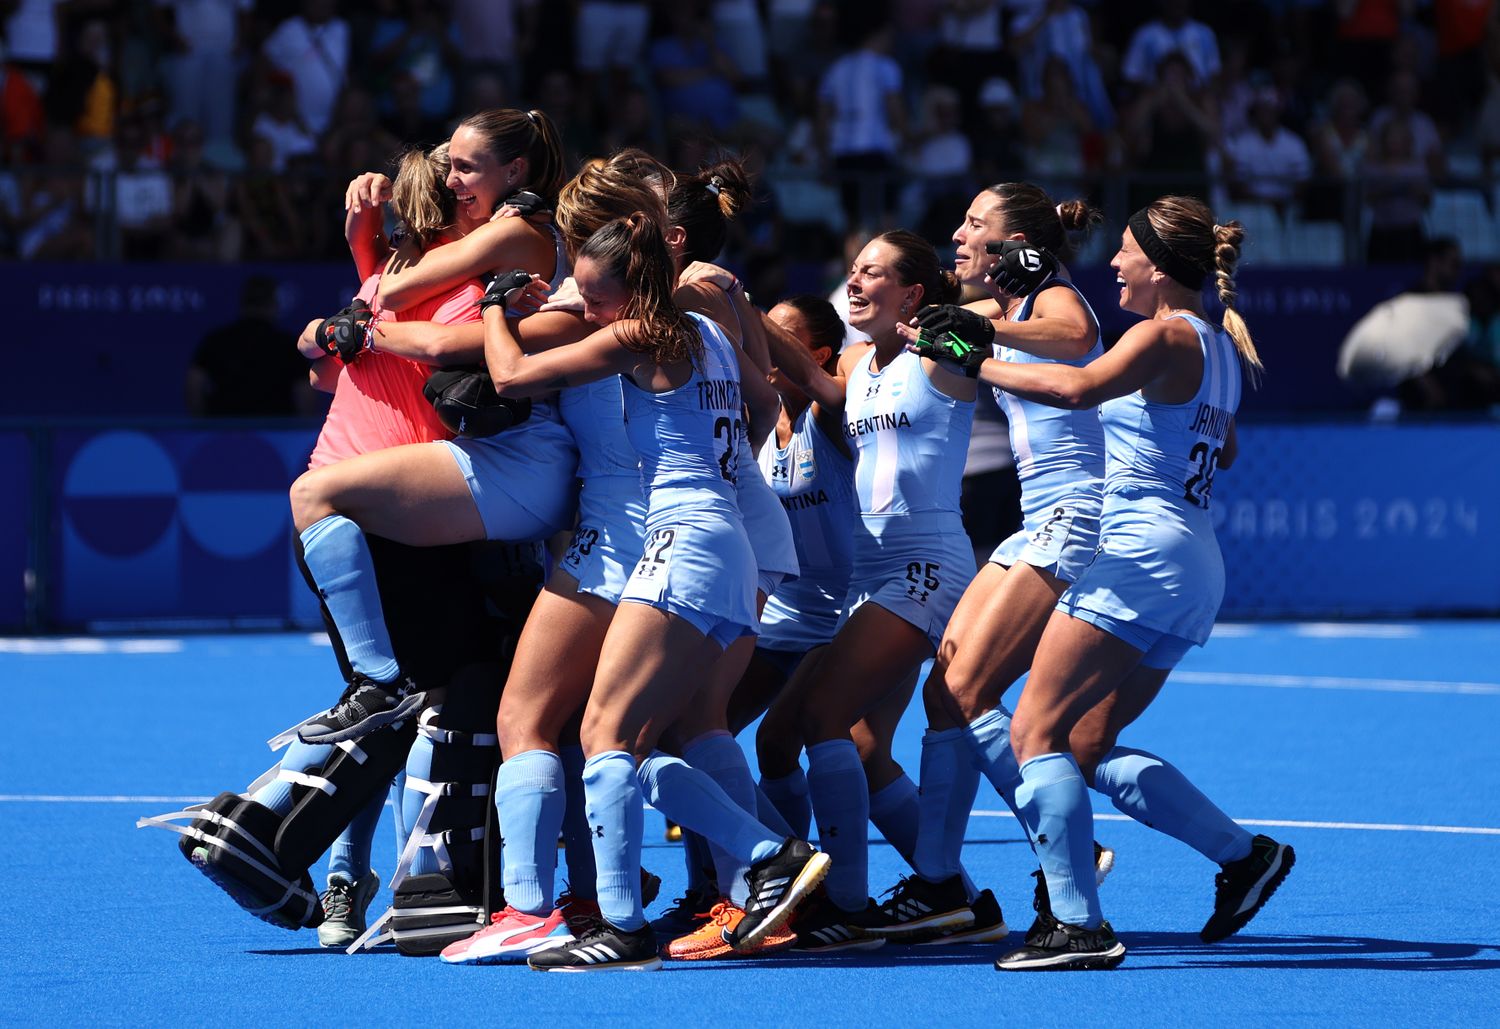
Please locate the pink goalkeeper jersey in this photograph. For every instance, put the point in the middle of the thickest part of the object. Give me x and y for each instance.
(378, 402)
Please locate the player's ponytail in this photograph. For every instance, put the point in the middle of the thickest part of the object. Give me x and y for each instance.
(1026, 208)
(703, 205)
(420, 197)
(605, 189)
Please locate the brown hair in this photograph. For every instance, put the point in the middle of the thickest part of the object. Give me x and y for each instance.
(1187, 226)
(628, 180)
(510, 134)
(633, 252)
(824, 326)
(917, 264)
(1031, 212)
(703, 205)
(420, 197)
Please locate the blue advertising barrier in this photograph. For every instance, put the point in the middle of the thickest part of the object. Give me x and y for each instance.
(188, 524)
(1324, 520)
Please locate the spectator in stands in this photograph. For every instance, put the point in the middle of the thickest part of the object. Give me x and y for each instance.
(1267, 162)
(609, 36)
(1168, 133)
(202, 39)
(355, 126)
(55, 224)
(1174, 32)
(82, 92)
(862, 122)
(250, 367)
(1339, 145)
(142, 192)
(1397, 189)
(201, 227)
(419, 52)
(313, 49)
(22, 124)
(1063, 143)
(969, 48)
(1365, 36)
(998, 153)
(31, 34)
(1402, 92)
(741, 35)
(632, 124)
(265, 210)
(1466, 379)
(940, 163)
(281, 125)
(492, 36)
(695, 80)
(1060, 28)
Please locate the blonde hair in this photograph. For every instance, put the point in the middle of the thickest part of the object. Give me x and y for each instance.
(420, 197)
(1187, 226)
(628, 181)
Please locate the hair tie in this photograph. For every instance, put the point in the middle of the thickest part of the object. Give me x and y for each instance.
(715, 185)
(1163, 256)
(531, 117)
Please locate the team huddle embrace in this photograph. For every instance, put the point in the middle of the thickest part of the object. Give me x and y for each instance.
(581, 512)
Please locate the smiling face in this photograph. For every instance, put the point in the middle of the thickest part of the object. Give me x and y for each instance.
(1136, 276)
(876, 298)
(983, 223)
(478, 178)
(604, 297)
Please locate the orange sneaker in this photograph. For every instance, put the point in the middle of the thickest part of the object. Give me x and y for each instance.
(707, 941)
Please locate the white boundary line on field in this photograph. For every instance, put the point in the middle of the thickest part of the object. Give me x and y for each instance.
(1334, 682)
(1459, 830)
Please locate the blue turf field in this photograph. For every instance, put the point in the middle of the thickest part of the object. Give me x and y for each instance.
(1375, 742)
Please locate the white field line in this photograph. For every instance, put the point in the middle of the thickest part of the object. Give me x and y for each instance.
(1460, 830)
(1335, 682)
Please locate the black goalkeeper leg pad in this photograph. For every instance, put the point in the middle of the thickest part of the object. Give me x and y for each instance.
(231, 842)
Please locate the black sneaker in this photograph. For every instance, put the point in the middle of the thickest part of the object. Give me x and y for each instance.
(1242, 888)
(988, 926)
(777, 885)
(1065, 948)
(602, 949)
(686, 913)
(822, 927)
(917, 905)
(366, 705)
(1104, 863)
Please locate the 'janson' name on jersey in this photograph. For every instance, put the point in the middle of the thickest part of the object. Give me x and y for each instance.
(718, 395)
(876, 423)
(1211, 421)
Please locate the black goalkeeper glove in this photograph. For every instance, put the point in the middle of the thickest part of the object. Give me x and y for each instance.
(345, 335)
(526, 202)
(504, 288)
(943, 319)
(1022, 268)
(950, 347)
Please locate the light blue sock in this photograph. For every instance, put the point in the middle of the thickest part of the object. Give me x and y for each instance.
(418, 766)
(1156, 794)
(350, 855)
(529, 795)
(398, 820)
(788, 794)
(720, 757)
(578, 841)
(299, 757)
(613, 794)
(1053, 802)
(950, 781)
(988, 737)
(893, 809)
(771, 818)
(339, 559)
(841, 802)
(694, 801)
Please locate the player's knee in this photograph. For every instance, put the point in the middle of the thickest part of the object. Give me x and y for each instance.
(777, 748)
(310, 500)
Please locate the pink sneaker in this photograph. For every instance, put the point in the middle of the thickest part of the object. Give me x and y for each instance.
(511, 936)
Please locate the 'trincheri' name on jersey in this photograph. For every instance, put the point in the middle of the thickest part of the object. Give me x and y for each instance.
(1211, 421)
(876, 423)
(718, 395)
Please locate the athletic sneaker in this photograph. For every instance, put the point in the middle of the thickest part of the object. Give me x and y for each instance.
(366, 705)
(1064, 948)
(776, 886)
(1104, 863)
(822, 927)
(918, 906)
(707, 941)
(1242, 887)
(511, 936)
(602, 949)
(686, 913)
(344, 906)
(988, 926)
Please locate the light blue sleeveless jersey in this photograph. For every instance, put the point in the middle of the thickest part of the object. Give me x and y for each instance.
(814, 483)
(1159, 566)
(697, 561)
(909, 440)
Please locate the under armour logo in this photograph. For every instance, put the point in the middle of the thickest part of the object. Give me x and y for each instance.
(599, 831)
(322, 593)
(920, 596)
(1041, 840)
(870, 391)
(828, 831)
